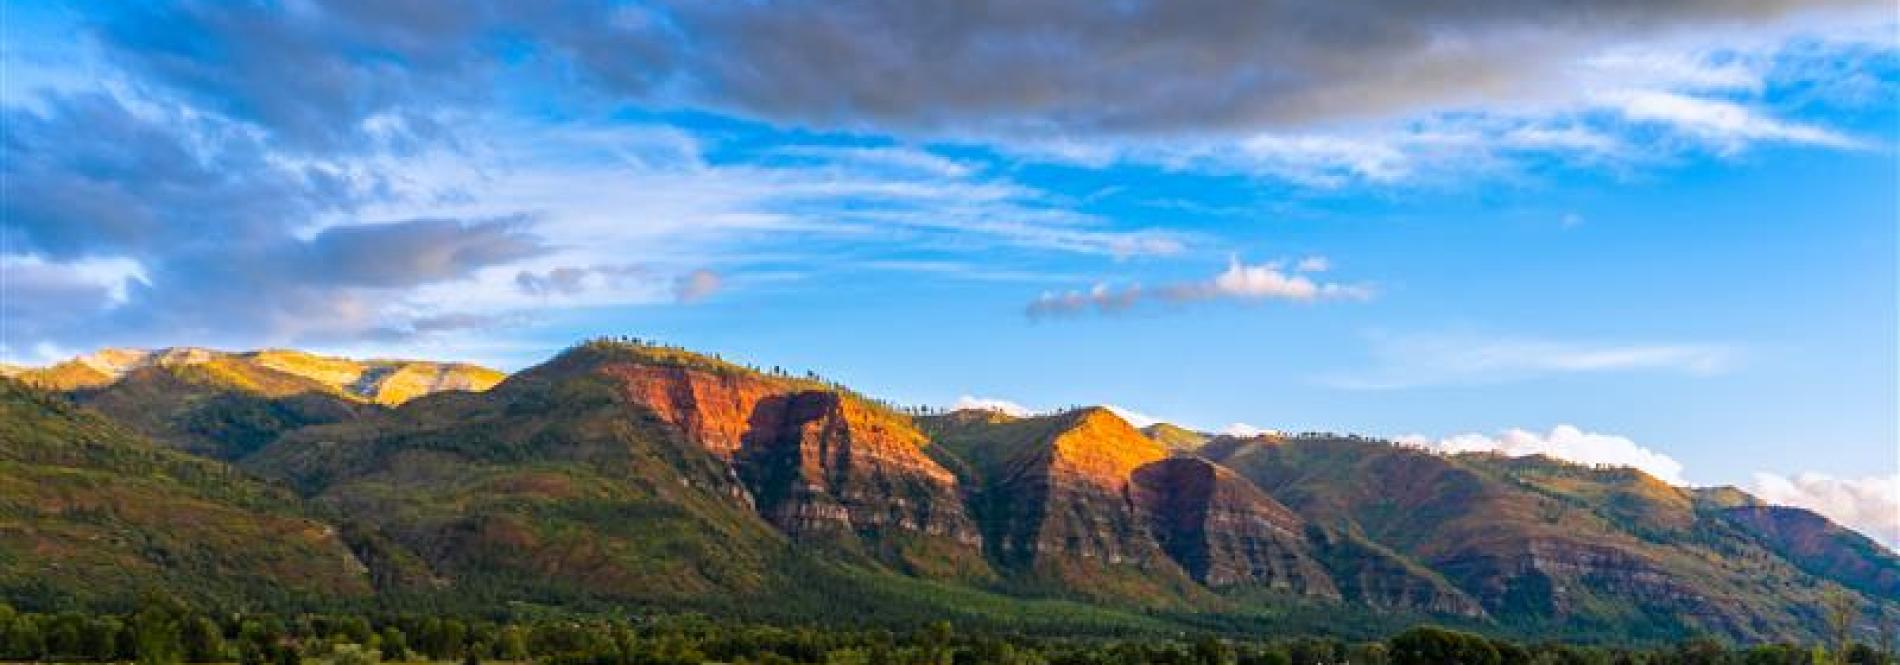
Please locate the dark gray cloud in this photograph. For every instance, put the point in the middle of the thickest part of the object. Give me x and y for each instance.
(87, 176)
(408, 253)
(1085, 66)
(315, 71)
(151, 223)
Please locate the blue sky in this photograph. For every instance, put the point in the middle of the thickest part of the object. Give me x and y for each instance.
(1657, 233)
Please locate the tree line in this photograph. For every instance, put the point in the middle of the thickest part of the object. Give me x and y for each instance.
(166, 632)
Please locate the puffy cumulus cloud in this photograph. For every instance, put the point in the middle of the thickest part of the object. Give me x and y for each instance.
(1870, 505)
(1240, 281)
(696, 285)
(998, 405)
(1271, 281)
(1564, 442)
(1439, 359)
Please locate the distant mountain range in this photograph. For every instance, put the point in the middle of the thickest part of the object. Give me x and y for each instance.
(626, 474)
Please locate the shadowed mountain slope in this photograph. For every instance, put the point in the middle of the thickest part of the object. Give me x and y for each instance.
(93, 514)
(1538, 541)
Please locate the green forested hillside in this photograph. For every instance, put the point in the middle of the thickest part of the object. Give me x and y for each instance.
(621, 475)
(92, 515)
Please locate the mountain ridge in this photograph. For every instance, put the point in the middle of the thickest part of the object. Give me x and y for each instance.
(632, 472)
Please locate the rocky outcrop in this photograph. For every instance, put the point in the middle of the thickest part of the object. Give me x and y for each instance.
(1224, 531)
(1066, 495)
(818, 464)
(1056, 501)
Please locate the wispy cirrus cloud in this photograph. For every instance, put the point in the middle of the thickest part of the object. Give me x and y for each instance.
(1424, 360)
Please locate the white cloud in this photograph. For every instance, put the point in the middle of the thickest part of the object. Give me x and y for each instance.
(1246, 430)
(1269, 281)
(1240, 281)
(1136, 418)
(1564, 442)
(1870, 505)
(1408, 361)
(1727, 124)
(998, 405)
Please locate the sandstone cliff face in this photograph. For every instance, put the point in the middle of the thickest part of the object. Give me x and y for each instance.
(815, 463)
(1058, 486)
(1224, 531)
(1057, 504)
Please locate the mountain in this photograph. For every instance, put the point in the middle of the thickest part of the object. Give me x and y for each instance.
(226, 405)
(621, 473)
(92, 514)
(1540, 542)
(1052, 495)
(1821, 547)
(639, 474)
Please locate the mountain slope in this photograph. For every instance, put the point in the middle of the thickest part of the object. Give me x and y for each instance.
(1174, 437)
(1224, 531)
(92, 514)
(1821, 547)
(1540, 542)
(226, 405)
(1052, 495)
(637, 473)
(821, 464)
(628, 474)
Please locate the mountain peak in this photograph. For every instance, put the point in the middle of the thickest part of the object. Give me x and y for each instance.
(276, 372)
